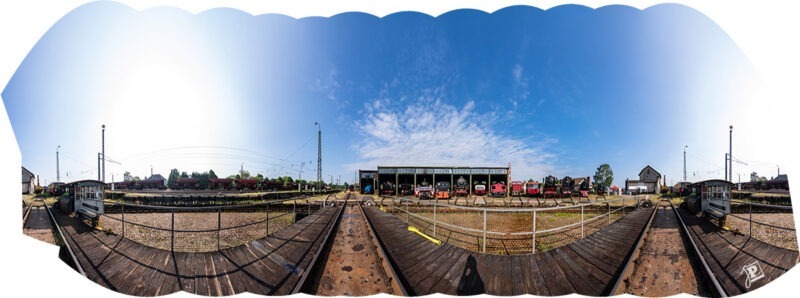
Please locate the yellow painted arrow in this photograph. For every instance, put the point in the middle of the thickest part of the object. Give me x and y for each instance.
(415, 230)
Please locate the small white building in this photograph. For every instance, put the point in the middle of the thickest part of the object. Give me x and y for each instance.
(28, 183)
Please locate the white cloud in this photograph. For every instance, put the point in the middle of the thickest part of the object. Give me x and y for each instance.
(431, 132)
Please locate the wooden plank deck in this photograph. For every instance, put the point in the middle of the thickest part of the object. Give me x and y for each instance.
(727, 254)
(267, 266)
(585, 266)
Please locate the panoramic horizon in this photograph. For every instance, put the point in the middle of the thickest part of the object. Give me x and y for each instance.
(550, 92)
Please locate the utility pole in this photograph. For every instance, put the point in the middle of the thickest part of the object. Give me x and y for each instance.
(319, 154)
(726, 166)
(730, 153)
(58, 172)
(684, 162)
(103, 151)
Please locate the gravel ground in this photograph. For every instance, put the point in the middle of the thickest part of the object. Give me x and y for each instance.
(197, 223)
(775, 236)
(502, 237)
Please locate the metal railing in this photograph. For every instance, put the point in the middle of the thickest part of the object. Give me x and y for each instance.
(509, 230)
(789, 231)
(202, 229)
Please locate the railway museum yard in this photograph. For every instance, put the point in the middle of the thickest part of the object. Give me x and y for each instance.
(347, 243)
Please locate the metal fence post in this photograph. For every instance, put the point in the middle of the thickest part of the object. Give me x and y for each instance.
(533, 233)
(623, 206)
(172, 232)
(751, 221)
(609, 214)
(484, 230)
(219, 225)
(406, 213)
(581, 221)
(294, 211)
(123, 221)
(434, 220)
(267, 220)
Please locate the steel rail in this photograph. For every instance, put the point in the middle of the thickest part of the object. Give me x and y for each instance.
(28, 211)
(397, 283)
(314, 265)
(710, 274)
(66, 243)
(633, 254)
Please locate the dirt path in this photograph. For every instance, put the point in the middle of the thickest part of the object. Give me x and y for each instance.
(353, 268)
(663, 267)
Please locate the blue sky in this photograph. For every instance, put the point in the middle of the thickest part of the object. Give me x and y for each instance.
(551, 92)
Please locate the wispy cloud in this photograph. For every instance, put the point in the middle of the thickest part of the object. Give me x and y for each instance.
(328, 85)
(432, 132)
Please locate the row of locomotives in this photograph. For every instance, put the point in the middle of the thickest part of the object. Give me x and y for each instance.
(442, 190)
(387, 188)
(424, 190)
(711, 198)
(461, 187)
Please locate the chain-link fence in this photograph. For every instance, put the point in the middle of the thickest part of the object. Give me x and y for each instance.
(508, 230)
(202, 229)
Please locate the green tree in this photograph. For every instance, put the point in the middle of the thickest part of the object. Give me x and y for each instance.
(202, 178)
(259, 177)
(212, 175)
(173, 175)
(127, 176)
(184, 175)
(604, 176)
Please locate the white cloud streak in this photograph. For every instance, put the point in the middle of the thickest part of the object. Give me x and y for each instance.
(431, 132)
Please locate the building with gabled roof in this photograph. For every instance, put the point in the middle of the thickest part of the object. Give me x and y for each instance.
(649, 181)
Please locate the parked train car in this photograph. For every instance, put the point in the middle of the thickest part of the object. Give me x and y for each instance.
(498, 190)
(480, 188)
(516, 188)
(550, 186)
(368, 189)
(442, 190)
(461, 187)
(532, 188)
(567, 186)
(424, 190)
(406, 189)
(583, 188)
(387, 188)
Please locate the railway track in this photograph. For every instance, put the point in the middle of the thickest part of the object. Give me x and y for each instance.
(352, 261)
(36, 223)
(666, 261)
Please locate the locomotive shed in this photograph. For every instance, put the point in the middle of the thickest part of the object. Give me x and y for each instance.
(415, 175)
